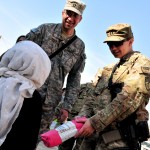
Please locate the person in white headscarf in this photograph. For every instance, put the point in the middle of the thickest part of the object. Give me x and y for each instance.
(23, 69)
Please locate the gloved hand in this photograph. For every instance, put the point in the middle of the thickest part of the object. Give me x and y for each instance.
(63, 116)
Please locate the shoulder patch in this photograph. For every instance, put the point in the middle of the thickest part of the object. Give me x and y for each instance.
(147, 83)
(34, 30)
(145, 70)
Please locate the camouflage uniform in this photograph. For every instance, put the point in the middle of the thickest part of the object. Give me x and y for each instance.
(97, 97)
(96, 101)
(135, 74)
(70, 61)
(86, 89)
(97, 76)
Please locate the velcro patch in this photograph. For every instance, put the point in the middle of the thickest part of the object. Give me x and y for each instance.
(146, 70)
(147, 83)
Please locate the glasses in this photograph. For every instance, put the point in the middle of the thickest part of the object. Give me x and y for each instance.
(71, 14)
(116, 44)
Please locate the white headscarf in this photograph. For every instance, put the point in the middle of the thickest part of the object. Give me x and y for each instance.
(23, 69)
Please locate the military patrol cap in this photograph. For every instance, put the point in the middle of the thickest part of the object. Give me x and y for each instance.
(75, 5)
(119, 32)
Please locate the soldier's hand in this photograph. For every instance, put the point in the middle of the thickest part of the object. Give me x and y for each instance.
(63, 115)
(86, 130)
(81, 119)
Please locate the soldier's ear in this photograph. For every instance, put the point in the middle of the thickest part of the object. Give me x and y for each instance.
(131, 41)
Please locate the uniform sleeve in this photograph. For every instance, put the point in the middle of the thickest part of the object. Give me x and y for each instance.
(36, 34)
(73, 83)
(87, 109)
(135, 91)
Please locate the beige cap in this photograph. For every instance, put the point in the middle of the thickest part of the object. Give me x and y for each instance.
(118, 32)
(75, 5)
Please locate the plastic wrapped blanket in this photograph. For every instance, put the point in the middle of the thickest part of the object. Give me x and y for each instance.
(60, 134)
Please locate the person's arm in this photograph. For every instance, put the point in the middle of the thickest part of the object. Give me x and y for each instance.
(87, 108)
(36, 34)
(135, 91)
(73, 84)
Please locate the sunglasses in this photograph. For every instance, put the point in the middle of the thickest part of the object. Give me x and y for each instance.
(116, 44)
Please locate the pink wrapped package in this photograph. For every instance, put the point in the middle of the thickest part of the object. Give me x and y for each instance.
(62, 133)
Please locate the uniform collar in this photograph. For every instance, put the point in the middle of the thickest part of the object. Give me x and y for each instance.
(58, 32)
(127, 56)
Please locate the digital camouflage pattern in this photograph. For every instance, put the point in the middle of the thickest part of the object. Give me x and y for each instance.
(70, 61)
(95, 101)
(133, 72)
(100, 97)
(85, 91)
